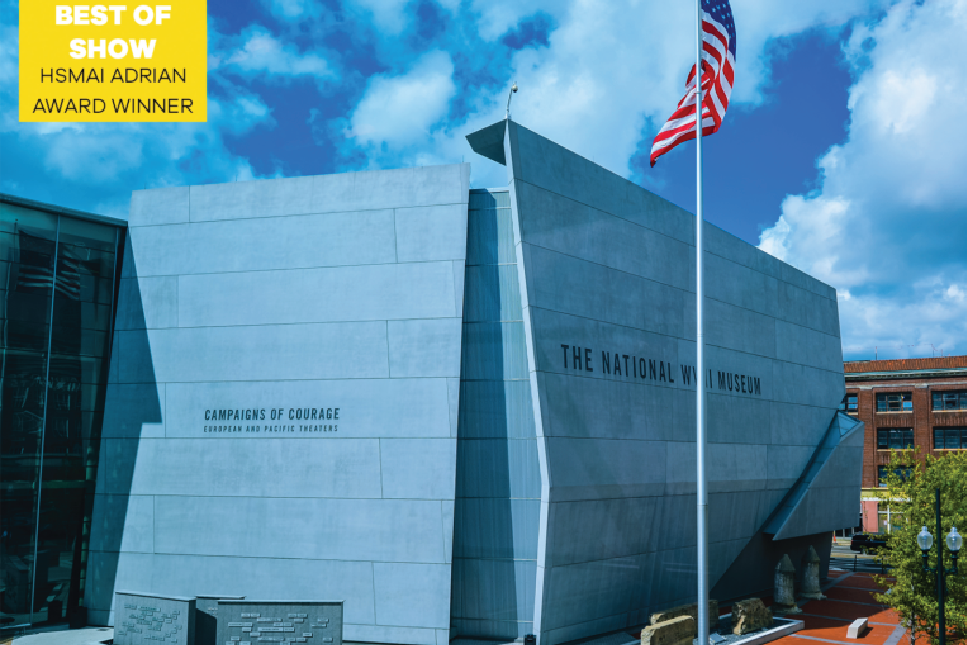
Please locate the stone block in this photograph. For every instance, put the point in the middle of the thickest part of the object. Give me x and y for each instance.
(686, 610)
(148, 619)
(785, 598)
(750, 616)
(677, 631)
(811, 573)
(241, 622)
(858, 628)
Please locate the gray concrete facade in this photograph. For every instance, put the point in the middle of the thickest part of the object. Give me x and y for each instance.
(609, 315)
(281, 413)
(304, 405)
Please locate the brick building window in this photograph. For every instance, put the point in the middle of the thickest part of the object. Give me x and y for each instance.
(849, 404)
(950, 438)
(949, 401)
(883, 471)
(894, 438)
(898, 402)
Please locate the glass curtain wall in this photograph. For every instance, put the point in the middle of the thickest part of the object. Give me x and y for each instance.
(57, 293)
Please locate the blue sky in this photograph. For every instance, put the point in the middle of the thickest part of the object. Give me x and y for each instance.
(842, 152)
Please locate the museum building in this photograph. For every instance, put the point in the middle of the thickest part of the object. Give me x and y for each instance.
(466, 413)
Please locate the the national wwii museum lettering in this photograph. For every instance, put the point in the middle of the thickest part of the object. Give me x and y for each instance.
(635, 367)
(307, 419)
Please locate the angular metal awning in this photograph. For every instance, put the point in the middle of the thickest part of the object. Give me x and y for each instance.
(489, 142)
(835, 500)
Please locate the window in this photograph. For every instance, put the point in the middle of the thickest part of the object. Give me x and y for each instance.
(849, 404)
(889, 521)
(903, 472)
(949, 401)
(950, 438)
(894, 438)
(899, 402)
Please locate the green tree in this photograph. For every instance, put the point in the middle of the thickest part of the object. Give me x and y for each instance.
(910, 491)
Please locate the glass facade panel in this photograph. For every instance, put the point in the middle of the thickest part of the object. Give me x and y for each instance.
(52, 382)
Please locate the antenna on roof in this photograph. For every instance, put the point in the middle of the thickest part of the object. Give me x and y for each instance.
(510, 95)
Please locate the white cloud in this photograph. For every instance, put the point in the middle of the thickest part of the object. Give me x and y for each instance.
(496, 17)
(9, 39)
(262, 53)
(99, 153)
(94, 166)
(400, 110)
(890, 222)
(291, 8)
(609, 67)
(388, 16)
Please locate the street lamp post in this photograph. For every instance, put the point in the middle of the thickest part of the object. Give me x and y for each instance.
(954, 542)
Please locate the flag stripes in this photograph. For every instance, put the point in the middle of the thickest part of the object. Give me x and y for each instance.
(718, 77)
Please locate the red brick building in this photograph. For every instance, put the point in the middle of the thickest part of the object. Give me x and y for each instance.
(905, 403)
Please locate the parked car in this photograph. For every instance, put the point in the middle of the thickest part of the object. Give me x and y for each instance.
(866, 543)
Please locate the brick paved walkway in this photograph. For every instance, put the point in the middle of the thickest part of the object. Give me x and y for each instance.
(849, 596)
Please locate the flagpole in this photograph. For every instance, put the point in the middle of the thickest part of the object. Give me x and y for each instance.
(702, 500)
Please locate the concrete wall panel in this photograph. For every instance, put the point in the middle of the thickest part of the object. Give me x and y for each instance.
(610, 268)
(412, 595)
(313, 528)
(418, 468)
(372, 292)
(293, 242)
(431, 233)
(248, 466)
(159, 206)
(339, 294)
(313, 351)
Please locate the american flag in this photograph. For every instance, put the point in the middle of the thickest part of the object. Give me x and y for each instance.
(36, 267)
(718, 75)
(69, 266)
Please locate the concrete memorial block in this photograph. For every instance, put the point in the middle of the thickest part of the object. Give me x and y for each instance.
(750, 616)
(149, 619)
(784, 594)
(858, 628)
(810, 584)
(677, 631)
(206, 618)
(280, 622)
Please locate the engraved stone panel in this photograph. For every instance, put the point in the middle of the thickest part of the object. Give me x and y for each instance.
(206, 618)
(148, 619)
(264, 622)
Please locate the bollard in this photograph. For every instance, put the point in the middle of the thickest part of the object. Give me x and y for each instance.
(810, 584)
(785, 598)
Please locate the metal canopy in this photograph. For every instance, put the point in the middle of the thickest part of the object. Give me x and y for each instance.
(489, 142)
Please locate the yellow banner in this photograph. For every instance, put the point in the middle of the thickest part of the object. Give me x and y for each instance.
(113, 62)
